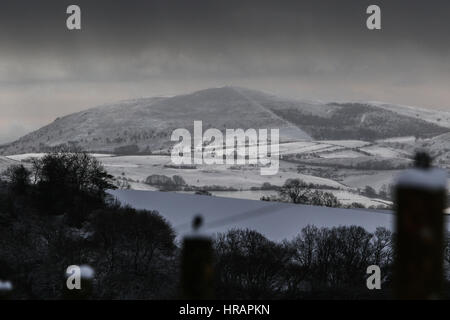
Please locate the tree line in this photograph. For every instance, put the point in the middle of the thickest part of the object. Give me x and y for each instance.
(57, 213)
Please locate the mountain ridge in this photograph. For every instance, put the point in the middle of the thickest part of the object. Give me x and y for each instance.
(144, 125)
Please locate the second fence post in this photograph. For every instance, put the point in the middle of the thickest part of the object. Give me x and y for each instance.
(420, 204)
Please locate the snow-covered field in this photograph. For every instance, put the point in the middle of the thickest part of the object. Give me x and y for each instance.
(383, 152)
(374, 179)
(139, 167)
(277, 221)
(27, 156)
(306, 147)
(347, 143)
(340, 154)
(242, 179)
(345, 197)
(328, 168)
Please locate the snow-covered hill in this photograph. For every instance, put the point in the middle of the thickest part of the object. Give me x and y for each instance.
(439, 117)
(145, 125)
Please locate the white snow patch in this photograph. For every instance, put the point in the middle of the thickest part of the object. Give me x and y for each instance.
(6, 286)
(382, 152)
(347, 143)
(87, 272)
(340, 154)
(399, 139)
(25, 156)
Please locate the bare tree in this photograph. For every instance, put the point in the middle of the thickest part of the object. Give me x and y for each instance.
(295, 190)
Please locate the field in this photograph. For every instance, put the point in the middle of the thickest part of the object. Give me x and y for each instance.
(344, 168)
(277, 221)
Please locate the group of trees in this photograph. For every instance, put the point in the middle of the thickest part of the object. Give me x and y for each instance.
(297, 191)
(135, 253)
(318, 263)
(385, 192)
(60, 183)
(165, 183)
(56, 213)
(300, 192)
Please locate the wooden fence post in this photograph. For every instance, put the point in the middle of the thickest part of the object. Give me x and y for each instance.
(420, 203)
(197, 275)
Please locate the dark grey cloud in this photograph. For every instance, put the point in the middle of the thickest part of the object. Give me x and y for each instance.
(139, 23)
(226, 37)
(308, 49)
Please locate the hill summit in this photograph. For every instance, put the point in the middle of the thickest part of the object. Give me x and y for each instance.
(145, 125)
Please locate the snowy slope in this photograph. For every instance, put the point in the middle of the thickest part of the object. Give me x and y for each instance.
(145, 125)
(148, 123)
(5, 163)
(439, 117)
(277, 221)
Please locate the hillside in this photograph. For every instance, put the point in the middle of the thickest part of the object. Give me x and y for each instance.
(145, 125)
(5, 163)
(360, 121)
(439, 148)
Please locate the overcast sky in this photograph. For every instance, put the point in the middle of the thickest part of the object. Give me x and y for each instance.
(315, 49)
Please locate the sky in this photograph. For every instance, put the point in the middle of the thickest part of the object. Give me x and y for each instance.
(313, 49)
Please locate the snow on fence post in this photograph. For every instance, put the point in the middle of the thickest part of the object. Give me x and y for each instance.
(197, 265)
(6, 289)
(420, 195)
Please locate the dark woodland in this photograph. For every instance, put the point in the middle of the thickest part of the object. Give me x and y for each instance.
(58, 213)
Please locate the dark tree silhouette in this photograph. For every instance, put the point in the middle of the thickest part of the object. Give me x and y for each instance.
(19, 178)
(71, 183)
(135, 252)
(249, 266)
(298, 191)
(295, 190)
